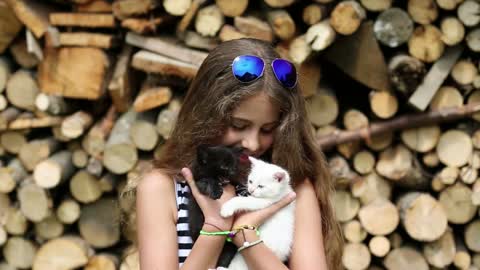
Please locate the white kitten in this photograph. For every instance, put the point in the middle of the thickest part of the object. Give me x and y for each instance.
(267, 184)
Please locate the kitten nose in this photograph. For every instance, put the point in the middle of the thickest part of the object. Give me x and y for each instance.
(279, 176)
(250, 190)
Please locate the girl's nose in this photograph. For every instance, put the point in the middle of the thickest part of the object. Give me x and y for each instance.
(251, 142)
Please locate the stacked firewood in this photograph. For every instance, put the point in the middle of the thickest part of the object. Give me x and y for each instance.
(90, 89)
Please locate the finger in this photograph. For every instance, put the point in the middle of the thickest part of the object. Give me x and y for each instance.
(282, 203)
(187, 174)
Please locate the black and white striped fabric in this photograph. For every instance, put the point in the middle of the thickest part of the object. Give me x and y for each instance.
(185, 242)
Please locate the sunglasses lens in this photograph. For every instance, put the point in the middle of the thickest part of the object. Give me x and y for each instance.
(247, 68)
(285, 72)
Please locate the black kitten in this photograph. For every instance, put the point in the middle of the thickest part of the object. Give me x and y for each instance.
(214, 167)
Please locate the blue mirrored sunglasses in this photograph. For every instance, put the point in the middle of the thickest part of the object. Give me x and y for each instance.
(247, 68)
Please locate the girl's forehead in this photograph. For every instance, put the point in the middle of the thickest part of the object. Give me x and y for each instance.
(257, 108)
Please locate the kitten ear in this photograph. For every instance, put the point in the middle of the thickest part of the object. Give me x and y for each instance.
(202, 153)
(279, 176)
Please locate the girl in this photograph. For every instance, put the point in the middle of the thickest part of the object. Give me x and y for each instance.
(241, 96)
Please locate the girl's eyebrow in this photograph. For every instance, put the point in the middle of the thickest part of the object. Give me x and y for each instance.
(248, 121)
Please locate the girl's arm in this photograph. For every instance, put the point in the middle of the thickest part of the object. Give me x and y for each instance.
(157, 233)
(308, 252)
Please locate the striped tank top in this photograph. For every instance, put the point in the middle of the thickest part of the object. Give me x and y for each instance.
(185, 242)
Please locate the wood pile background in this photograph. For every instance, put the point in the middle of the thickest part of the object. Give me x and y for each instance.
(89, 90)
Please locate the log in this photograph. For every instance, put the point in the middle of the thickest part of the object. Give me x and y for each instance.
(422, 139)
(300, 49)
(167, 47)
(379, 246)
(440, 253)
(446, 97)
(55, 170)
(95, 6)
(406, 73)
(456, 154)
(346, 17)
(94, 166)
(458, 206)
(22, 89)
(310, 80)
(467, 12)
(177, 7)
(464, 72)
(121, 83)
(94, 142)
(10, 27)
(423, 11)
(19, 252)
(472, 40)
(462, 259)
(423, 216)
(354, 119)
(188, 17)
(167, 117)
(434, 78)
(354, 232)
(393, 27)
(453, 31)
(33, 45)
(405, 258)
(155, 63)
(322, 108)
(27, 122)
(341, 172)
(376, 5)
(370, 212)
(52, 104)
(143, 132)
(90, 20)
(279, 3)
(379, 142)
(16, 223)
(21, 54)
(120, 154)
(364, 162)
(314, 13)
(5, 72)
(11, 175)
(472, 236)
(98, 223)
(356, 256)
(426, 43)
(384, 104)
(73, 126)
(346, 206)
(282, 23)
(144, 26)
(195, 40)
(371, 187)
(209, 20)
(68, 211)
(49, 228)
(468, 175)
(253, 27)
(33, 14)
(449, 175)
(232, 8)
(12, 141)
(394, 163)
(74, 72)
(102, 261)
(85, 39)
(151, 96)
(229, 32)
(48, 256)
(33, 201)
(37, 150)
(84, 187)
(448, 4)
(127, 8)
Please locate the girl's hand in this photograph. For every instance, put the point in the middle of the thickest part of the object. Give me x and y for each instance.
(210, 207)
(256, 218)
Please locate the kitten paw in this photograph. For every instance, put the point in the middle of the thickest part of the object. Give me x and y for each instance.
(227, 211)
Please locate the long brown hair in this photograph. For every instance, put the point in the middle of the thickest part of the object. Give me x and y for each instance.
(206, 112)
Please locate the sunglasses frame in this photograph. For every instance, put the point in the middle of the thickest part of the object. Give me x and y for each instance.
(263, 70)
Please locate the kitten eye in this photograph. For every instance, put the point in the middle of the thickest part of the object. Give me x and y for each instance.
(250, 181)
(260, 186)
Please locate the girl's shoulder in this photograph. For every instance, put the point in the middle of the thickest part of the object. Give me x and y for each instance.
(155, 186)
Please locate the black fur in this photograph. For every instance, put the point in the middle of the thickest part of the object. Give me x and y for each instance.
(214, 167)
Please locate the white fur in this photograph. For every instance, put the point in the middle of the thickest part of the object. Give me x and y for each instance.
(277, 231)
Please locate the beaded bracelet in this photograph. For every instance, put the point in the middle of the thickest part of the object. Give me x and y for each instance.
(248, 244)
(241, 228)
